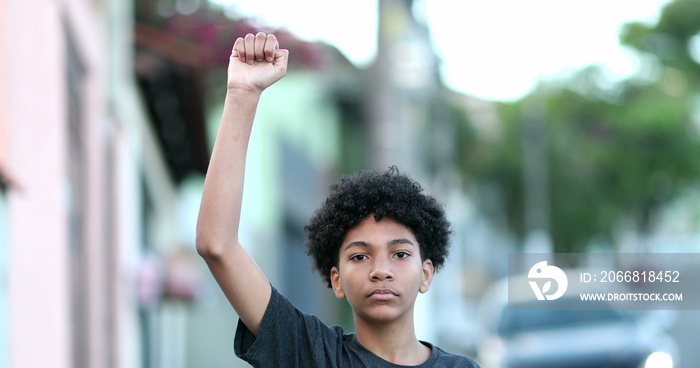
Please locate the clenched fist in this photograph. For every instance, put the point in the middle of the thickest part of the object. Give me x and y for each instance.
(256, 63)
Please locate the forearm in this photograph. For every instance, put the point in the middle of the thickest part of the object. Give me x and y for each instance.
(220, 209)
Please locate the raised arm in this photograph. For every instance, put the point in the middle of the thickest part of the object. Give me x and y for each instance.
(256, 62)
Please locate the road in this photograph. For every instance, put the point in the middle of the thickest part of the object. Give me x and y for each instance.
(685, 331)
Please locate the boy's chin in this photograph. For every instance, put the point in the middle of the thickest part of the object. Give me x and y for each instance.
(380, 314)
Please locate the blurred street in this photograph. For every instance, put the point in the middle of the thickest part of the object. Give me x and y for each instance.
(109, 109)
(684, 330)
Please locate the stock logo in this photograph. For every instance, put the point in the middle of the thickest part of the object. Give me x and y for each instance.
(541, 277)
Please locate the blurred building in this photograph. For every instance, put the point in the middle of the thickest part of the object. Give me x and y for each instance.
(103, 147)
(93, 264)
(106, 121)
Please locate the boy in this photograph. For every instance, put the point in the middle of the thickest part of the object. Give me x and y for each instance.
(377, 241)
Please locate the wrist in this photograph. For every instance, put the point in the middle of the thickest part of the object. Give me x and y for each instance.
(239, 93)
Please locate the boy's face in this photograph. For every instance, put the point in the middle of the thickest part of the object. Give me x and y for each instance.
(380, 270)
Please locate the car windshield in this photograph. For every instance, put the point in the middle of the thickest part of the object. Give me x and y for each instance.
(514, 321)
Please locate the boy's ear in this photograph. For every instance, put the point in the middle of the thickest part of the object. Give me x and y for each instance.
(335, 282)
(428, 271)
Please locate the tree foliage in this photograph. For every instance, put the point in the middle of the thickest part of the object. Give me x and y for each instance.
(613, 154)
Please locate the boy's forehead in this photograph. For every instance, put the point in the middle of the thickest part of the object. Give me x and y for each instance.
(371, 227)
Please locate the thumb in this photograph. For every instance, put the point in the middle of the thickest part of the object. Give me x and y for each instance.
(281, 58)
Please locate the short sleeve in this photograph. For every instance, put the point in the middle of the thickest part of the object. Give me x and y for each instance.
(290, 338)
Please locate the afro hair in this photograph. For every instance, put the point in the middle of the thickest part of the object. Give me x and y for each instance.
(388, 193)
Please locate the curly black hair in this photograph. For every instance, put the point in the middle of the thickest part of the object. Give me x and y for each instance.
(387, 193)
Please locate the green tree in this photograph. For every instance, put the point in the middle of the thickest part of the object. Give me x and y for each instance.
(614, 154)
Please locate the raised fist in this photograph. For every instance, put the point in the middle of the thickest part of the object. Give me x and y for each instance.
(256, 63)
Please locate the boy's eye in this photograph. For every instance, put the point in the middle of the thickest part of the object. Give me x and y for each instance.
(358, 257)
(402, 255)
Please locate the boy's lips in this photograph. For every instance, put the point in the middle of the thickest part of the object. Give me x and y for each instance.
(382, 294)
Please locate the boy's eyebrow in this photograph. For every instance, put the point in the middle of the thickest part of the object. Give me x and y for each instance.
(401, 241)
(357, 244)
(363, 244)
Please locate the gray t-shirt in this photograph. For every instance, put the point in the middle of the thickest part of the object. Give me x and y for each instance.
(291, 338)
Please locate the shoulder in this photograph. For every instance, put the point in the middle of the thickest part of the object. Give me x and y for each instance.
(445, 359)
(284, 316)
(286, 333)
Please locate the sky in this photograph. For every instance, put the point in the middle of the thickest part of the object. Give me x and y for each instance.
(491, 49)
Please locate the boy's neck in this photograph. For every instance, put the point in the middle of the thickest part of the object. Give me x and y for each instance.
(395, 342)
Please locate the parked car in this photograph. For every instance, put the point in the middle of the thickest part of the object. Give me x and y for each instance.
(519, 334)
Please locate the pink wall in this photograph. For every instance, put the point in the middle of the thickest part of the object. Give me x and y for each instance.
(35, 102)
(3, 87)
(38, 290)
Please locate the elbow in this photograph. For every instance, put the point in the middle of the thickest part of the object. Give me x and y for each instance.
(208, 249)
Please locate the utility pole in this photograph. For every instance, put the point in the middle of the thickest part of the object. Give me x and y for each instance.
(535, 178)
(400, 88)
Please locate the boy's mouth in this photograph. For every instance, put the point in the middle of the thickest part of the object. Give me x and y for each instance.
(382, 294)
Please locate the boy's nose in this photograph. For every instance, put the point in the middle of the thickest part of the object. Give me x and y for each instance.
(381, 269)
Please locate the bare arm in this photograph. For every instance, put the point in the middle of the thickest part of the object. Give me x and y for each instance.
(256, 62)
